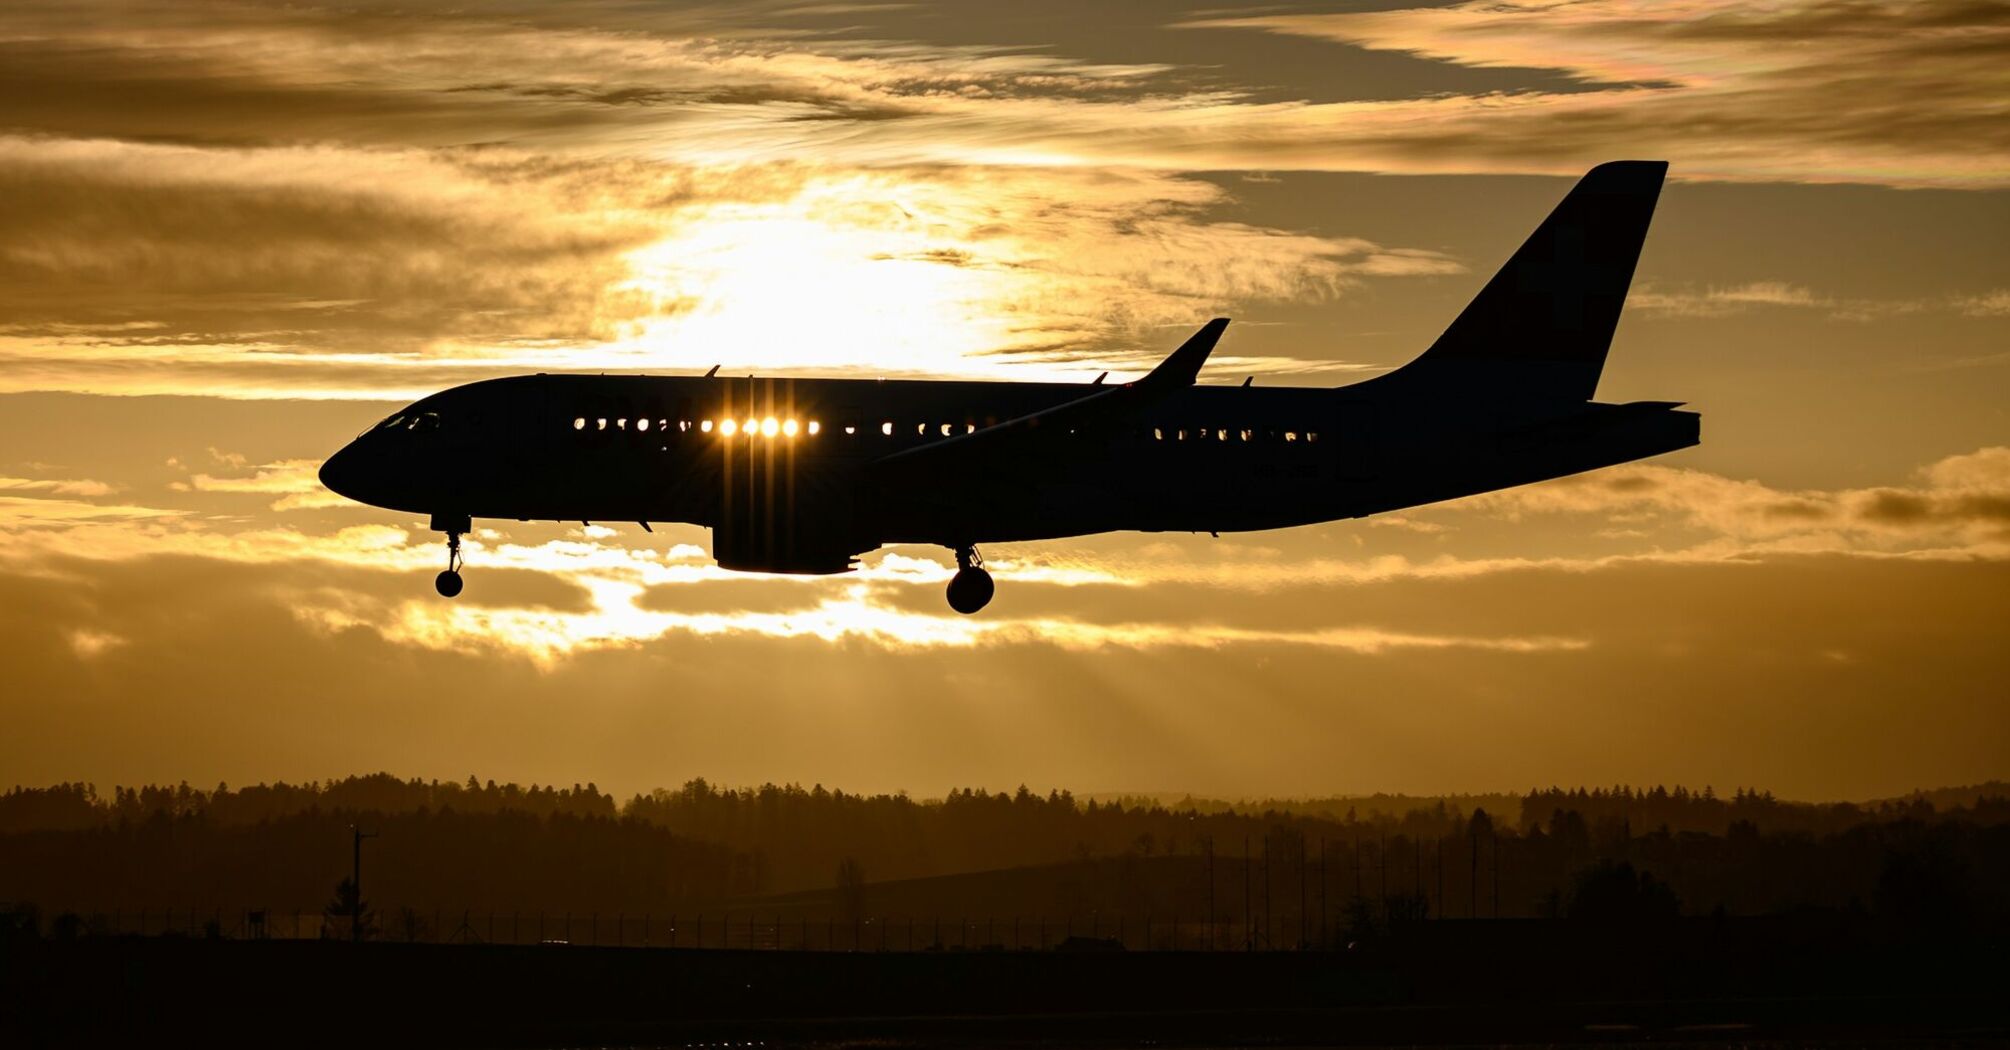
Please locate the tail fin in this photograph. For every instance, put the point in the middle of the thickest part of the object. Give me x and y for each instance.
(1542, 326)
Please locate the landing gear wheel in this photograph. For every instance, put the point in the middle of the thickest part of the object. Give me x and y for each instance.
(971, 588)
(448, 583)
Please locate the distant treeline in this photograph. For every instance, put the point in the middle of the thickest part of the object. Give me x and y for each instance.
(474, 845)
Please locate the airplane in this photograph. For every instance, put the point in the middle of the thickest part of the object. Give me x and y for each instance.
(802, 475)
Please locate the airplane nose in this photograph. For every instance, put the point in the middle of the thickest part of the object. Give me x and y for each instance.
(341, 473)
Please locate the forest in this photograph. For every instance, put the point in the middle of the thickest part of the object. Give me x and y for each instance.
(479, 847)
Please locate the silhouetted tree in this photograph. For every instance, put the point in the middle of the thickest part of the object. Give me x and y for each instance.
(1613, 892)
(344, 912)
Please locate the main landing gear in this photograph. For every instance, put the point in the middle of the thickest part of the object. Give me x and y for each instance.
(448, 583)
(971, 588)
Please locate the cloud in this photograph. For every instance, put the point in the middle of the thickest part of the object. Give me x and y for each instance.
(374, 273)
(61, 487)
(1716, 302)
(1874, 91)
(1960, 507)
(1990, 304)
(1252, 707)
(295, 481)
(343, 202)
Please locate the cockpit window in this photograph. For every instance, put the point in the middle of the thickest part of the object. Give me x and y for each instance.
(411, 421)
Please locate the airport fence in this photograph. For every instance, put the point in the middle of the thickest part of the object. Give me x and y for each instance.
(726, 929)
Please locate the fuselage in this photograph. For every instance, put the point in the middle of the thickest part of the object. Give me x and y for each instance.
(775, 463)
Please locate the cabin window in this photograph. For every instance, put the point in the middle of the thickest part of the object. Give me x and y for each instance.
(705, 426)
(728, 426)
(886, 428)
(1221, 435)
(600, 423)
(1245, 435)
(814, 427)
(1311, 436)
(1290, 436)
(1158, 434)
(789, 427)
(579, 423)
(849, 430)
(947, 428)
(642, 425)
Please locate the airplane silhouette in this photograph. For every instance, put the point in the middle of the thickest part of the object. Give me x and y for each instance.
(805, 475)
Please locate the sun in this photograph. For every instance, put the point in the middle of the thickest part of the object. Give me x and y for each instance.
(844, 277)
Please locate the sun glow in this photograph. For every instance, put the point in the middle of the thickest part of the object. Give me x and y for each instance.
(801, 284)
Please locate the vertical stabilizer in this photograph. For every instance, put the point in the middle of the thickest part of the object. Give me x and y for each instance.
(1542, 326)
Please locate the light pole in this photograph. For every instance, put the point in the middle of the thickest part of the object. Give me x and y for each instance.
(357, 835)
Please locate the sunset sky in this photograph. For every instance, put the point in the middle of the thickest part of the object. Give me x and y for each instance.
(234, 234)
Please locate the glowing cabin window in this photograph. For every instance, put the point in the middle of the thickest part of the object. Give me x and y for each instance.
(579, 423)
(947, 429)
(600, 423)
(1311, 436)
(886, 428)
(1158, 434)
(727, 427)
(814, 427)
(921, 429)
(1246, 435)
(642, 425)
(1221, 435)
(1180, 434)
(770, 427)
(850, 430)
(705, 426)
(1290, 436)
(789, 428)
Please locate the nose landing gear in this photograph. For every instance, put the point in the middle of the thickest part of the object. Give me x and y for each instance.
(971, 588)
(448, 583)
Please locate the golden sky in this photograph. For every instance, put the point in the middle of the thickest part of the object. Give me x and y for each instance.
(233, 234)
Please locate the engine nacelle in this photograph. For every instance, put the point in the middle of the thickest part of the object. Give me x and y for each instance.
(740, 555)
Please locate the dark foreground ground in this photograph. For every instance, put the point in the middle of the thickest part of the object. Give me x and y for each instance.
(1699, 982)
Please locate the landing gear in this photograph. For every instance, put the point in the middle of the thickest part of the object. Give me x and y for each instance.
(448, 583)
(971, 588)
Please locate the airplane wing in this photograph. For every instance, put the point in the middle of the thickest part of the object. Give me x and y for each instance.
(1108, 406)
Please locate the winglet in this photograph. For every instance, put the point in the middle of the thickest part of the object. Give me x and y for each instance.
(1183, 366)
